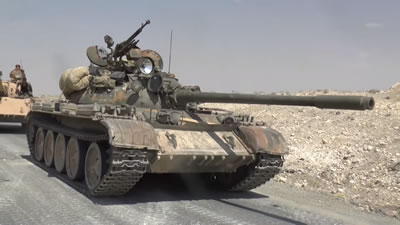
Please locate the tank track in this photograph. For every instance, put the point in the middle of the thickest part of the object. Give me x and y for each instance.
(125, 170)
(264, 170)
(125, 166)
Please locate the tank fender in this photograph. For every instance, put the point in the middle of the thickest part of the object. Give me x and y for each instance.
(125, 133)
(263, 140)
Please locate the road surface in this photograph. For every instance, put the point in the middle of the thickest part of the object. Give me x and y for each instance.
(31, 195)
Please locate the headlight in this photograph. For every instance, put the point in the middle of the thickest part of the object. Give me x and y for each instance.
(146, 66)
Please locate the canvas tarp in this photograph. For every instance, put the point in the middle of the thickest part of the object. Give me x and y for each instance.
(74, 79)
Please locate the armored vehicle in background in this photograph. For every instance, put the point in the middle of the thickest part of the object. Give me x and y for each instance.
(123, 117)
(14, 102)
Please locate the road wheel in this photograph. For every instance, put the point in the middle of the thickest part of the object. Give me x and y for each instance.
(59, 153)
(75, 158)
(49, 149)
(94, 166)
(39, 144)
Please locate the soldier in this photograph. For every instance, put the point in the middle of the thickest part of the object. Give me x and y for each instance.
(17, 74)
(25, 88)
(3, 91)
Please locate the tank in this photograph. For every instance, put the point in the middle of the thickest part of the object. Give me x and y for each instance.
(126, 117)
(14, 104)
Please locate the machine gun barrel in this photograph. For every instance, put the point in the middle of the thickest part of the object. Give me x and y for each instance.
(134, 35)
(182, 97)
(124, 46)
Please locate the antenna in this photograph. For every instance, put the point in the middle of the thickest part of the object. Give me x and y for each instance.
(170, 52)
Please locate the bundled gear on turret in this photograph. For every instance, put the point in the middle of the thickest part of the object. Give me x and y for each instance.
(73, 80)
(124, 117)
(77, 79)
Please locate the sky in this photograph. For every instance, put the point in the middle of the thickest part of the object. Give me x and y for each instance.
(220, 45)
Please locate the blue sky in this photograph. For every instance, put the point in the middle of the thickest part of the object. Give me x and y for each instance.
(224, 45)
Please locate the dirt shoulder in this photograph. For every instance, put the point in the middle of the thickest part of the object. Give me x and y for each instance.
(354, 155)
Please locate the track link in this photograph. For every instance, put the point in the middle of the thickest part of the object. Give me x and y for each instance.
(266, 168)
(125, 166)
(124, 171)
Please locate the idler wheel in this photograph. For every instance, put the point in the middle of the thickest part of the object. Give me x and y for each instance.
(94, 166)
(39, 144)
(49, 149)
(75, 157)
(59, 153)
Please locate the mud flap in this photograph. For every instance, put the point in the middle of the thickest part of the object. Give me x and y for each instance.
(263, 140)
(126, 133)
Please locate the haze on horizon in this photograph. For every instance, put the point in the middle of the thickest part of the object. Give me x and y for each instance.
(225, 45)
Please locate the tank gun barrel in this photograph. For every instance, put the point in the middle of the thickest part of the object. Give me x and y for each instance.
(320, 101)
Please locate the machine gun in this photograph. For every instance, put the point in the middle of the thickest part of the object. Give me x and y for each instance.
(122, 48)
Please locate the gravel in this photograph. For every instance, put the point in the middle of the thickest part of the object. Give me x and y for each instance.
(353, 155)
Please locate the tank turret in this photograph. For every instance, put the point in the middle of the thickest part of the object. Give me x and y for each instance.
(14, 107)
(140, 82)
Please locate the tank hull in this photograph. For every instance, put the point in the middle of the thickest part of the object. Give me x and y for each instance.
(14, 110)
(135, 146)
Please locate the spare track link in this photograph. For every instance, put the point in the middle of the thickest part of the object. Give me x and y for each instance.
(126, 166)
(266, 168)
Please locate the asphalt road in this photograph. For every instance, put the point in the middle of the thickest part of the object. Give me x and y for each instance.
(31, 195)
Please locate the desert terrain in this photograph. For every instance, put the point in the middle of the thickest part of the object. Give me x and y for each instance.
(353, 155)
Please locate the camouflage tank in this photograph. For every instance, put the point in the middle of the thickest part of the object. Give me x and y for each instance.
(14, 102)
(126, 118)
